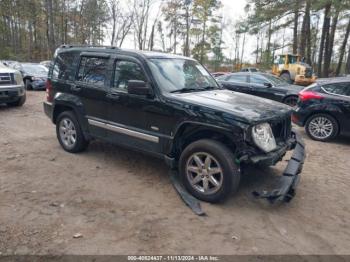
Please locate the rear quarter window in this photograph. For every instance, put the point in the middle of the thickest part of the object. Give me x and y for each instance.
(337, 89)
(63, 68)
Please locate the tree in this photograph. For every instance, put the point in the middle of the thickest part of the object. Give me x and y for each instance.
(342, 48)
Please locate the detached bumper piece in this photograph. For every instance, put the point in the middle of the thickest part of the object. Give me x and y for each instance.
(290, 178)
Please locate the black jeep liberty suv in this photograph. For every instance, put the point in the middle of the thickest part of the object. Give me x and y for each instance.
(171, 107)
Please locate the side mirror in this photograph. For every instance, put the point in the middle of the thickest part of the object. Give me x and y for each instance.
(137, 87)
(268, 85)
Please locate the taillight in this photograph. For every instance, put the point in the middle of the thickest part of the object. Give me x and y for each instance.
(49, 91)
(308, 95)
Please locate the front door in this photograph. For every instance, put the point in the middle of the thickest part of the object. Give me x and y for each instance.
(130, 116)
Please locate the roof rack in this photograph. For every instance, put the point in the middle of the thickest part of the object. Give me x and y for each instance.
(89, 46)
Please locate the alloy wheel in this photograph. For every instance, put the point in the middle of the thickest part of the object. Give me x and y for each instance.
(204, 173)
(321, 127)
(68, 133)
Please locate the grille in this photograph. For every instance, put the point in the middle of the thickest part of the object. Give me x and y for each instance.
(308, 72)
(6, 79)
(282, 129)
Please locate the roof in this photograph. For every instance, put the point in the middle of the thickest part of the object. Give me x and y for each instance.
(116, 50)
(333, 80)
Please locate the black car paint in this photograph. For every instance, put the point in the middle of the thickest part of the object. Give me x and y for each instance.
(265, 89)
(335, 105)
(170, 120)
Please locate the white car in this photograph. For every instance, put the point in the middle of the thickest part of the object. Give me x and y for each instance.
(12, 91)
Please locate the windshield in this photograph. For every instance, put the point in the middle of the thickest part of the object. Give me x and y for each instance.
(174, 74)
(35, 69)
(275, 80)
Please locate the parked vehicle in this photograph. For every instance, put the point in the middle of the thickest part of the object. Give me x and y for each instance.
(34, 75)
(47, 63)
(12, 90)
(324, 109)
(171, 107)
(292, 69)
(250, 69)
(263, 85)
(9, 63)
(217, 74)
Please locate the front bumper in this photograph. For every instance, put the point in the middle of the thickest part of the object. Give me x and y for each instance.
(288, 182)
(39, 84)
(304, 81)
(10, 94)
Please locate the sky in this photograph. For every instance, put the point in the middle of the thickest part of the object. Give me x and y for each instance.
(232, 10)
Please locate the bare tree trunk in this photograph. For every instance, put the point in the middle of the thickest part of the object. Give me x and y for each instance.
(342, 49)
(305, 29)
(347, 67)
(325, 32)
(295, 27)
(329, 45)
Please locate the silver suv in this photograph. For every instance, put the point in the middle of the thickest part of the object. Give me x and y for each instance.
(12, 90)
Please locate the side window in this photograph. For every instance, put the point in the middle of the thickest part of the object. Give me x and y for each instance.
(338, 89)
(125, 71)
(256, 79)
(62, 68)
(238, 78)
(93, 71)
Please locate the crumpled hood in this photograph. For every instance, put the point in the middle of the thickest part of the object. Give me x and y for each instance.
(244, 107)
(5, 69)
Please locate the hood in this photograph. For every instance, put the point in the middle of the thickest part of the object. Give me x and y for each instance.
(5, 69)
(294, 89)
(244, 107)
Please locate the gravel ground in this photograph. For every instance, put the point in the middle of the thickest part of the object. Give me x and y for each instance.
(116, 201)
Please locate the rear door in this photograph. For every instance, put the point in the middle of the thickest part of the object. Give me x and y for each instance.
(338, 94)
(92, 85)
(237, 82)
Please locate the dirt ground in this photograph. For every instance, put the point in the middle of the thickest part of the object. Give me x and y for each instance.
(122, 202)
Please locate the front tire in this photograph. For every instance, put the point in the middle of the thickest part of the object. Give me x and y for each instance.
(208, 170)
(291, 101)
(69, 133)
(286, 77)
(19, 102)
(322, 127)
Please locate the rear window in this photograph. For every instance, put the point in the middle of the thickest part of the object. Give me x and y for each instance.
(337, 89)
(238, 78)
(63, 66)
(93, 70)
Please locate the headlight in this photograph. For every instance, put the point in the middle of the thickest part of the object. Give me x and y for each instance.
(18, 78)
(263, 137)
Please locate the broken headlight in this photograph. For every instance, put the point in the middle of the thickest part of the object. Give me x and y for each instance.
(263, 137)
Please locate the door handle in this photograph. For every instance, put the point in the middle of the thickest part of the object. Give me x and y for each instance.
(113, 96)
(75, 88)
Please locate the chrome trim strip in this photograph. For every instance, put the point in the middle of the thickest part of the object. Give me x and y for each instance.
(124, 131)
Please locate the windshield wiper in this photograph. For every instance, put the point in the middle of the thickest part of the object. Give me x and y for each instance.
(187, 89)
(190, 89)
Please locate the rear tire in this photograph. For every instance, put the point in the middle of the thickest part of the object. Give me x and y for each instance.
(322, 127)
(291, 101)
(286, 77)
(69, 133)
(208, 170)
(19, 102)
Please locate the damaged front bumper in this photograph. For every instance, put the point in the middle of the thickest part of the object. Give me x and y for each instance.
(288, 182)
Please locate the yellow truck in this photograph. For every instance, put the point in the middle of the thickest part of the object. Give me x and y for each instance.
(290, 68)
